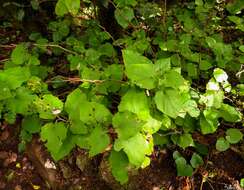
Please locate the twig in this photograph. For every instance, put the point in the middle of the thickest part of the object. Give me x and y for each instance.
(57, 46)
(3, 60)
(77, 79)
(8, 46)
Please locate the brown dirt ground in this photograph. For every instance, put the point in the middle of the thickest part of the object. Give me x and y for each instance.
(222, 171)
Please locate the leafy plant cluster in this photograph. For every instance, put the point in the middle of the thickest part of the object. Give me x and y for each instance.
(159, 82)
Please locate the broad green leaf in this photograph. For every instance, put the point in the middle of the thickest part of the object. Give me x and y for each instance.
(136, 102)
(229, 113)
(32, 124)
(137, 148)
(192, 70)
(152, 125)
(196, 160)
(21, 103)
(14, 77)
(127, 125)
(160, 139)
(222, 144)
(19, 55)
(61, 8)
(212, 98)
(49, 106)
(101, 113)
(220, 75)
(33, 60)
(5, 92)
(176, 155)
(73, 6)
(233, 136)
(162, 65)
(81, 111)
(54, 134)
(67, 6)
(119, 162)
(67, 145)
(74, 103)
(205, 65)
(173, 79)
(183, 169)
(98, 141)
(209, 121)
(139, 69)
(124, 16)
(191, 108)
(166, 123)
(185, 140)
(170, 102)
(242, 182)
(241, 48)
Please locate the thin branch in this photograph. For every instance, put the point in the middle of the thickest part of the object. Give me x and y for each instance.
(77, 79)
(57, 46)
(8, 46)
(3, 60)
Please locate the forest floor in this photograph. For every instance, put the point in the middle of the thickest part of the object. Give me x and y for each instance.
(34, 169)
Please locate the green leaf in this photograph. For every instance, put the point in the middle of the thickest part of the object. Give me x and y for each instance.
(170, 101)
(173, 79)
(241, 48)
(137, 148)
(229, 113)
(124, 16)
(98, 141)
(136, 102)
(162, 65)
(160, 139)
(196, 160)
(192, 70)
(127, 125)
(67, 6)
(135, 62)
(183, 169)
(21, 103)
(233, 136)
(209, 121)
(191, 108)
(73, 6)
(33, 60)
(54, 134)
(49, 106)
(220, 75)
(19, 55)
(67, 145)
(222, 144)
(14, 77)
(119, 162)
(213, 98)
(5, 92)
(32, 124)
(242, 182)
(73, 102)
(205, 65)
(185, 140)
